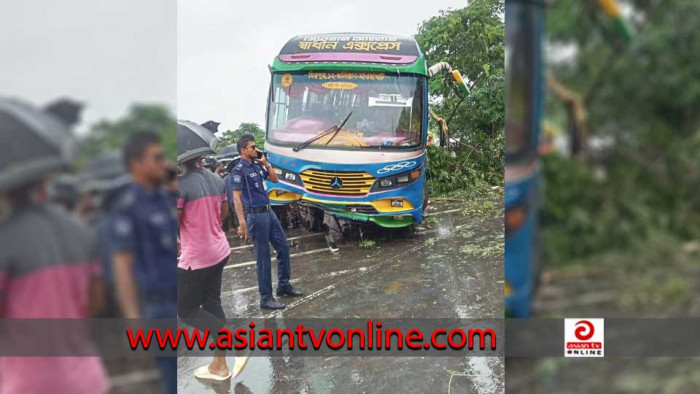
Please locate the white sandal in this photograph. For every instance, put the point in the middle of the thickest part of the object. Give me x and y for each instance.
(238, 365)
(204, 373)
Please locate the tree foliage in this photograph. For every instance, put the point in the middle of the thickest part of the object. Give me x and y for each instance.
(471, 40)
(108, 135)
(645, 96)
(230, 137)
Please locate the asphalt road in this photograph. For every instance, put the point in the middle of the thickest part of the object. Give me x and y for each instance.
(451, 268)
(596, 289)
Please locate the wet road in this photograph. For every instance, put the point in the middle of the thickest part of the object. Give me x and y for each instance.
(451, 268)
(605, 285)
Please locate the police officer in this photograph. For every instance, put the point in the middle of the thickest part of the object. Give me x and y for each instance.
(144, 242)
(260, 222)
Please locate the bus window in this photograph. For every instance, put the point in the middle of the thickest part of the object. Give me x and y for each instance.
(387, 110)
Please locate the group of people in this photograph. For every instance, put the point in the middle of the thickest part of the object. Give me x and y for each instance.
(202, 204)
(150, 243)
(64, 258)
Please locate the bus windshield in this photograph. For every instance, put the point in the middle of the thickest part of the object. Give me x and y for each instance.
(386, 110)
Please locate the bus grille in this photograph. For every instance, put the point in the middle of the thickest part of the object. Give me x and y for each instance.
(353, 183)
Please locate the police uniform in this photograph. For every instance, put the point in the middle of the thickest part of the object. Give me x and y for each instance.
(263, 225)
(143, 223)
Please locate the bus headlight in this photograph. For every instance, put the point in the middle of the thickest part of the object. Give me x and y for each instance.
(397, 203)
(398, 180)
(288, 176)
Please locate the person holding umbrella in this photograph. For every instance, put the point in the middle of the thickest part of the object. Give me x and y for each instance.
(201, 206)
(48, 264)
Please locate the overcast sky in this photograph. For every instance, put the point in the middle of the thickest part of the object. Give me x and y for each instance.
(224, 46)
(208, 58)
(107, 54)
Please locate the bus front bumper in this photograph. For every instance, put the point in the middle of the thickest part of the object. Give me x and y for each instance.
(390, 209)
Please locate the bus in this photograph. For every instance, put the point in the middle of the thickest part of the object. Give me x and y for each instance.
(525, 98)
(346, 126)
(524, 102)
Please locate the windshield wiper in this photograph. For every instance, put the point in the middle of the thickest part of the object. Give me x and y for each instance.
(314, 138)
(335, 129)
(339, 127)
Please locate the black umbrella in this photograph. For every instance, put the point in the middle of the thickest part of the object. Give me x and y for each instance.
(232, 163)
(101, 173)
(211, 126)
(36, 142)
(193, 141)
(228, 152)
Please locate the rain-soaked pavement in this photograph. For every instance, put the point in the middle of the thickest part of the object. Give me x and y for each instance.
(597, 290)
(451, 268)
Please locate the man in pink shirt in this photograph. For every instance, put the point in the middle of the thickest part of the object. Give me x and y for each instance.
(201, 205)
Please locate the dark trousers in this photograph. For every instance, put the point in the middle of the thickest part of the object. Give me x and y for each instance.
(166, 365)
(265, 229)
(199, 297)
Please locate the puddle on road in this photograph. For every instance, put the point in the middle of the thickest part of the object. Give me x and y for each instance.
(257, 377)
(487, 374)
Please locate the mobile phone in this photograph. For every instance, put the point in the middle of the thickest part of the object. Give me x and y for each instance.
(259, 154)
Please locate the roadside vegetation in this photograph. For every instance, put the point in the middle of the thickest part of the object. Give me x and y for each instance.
(643, 96)
(471, 39)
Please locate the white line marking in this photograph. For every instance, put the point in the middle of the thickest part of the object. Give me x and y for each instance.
(346, 279)
(288, 239)
(247, 263)
(296, 280)
(133, 378)
(444, 212)
(244, 290)
(242, 247)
